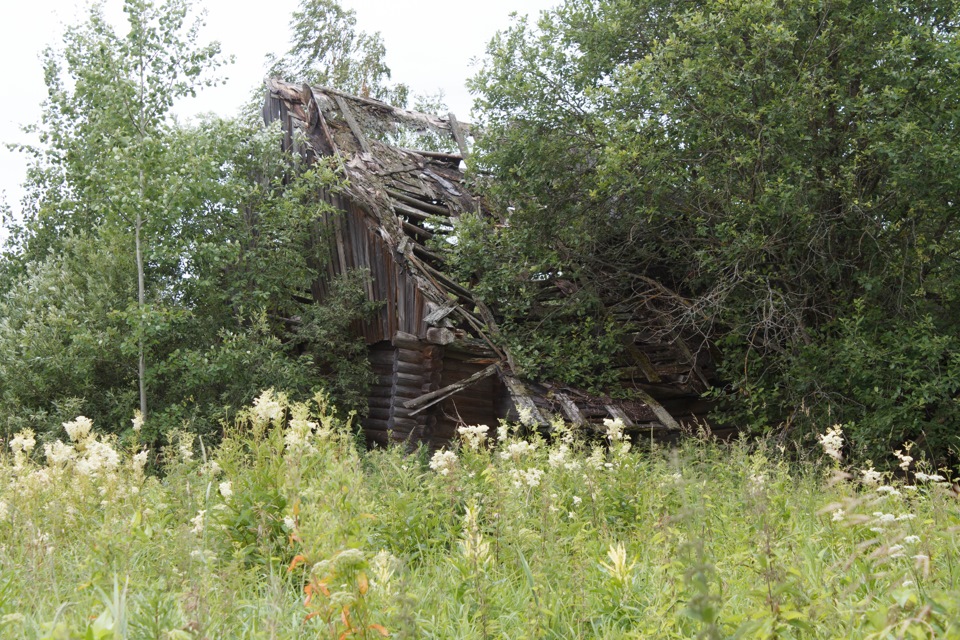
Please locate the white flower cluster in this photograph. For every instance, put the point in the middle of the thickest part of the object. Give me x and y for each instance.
(870, 477)
(905, 458)
(517, 450)
(526, 477)
(443, 462)
(933, 477)
(832, 442)
(226, 489)
(474, 437)
(268, 406)
(299, 434)
(78, 429)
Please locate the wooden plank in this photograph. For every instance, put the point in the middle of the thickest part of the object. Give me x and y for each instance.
(458, 135)
(523, 401)
(662, 414)
(570, 408)
(417, 231)
(418, 204)
(432, 398)
(352, 123)
(410, 367)
(619, 414)
(410, 355)
(436, 155)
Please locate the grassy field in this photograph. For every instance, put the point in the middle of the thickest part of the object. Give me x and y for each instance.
(289, 530)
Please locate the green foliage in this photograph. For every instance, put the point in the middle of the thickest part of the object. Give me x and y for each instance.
(772, 164)
(229, 239)
(327, 50)
(287, 529)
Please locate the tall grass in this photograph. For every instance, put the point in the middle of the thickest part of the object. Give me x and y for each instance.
(289, 530)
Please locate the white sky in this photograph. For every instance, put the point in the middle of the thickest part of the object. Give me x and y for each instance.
(430, 45)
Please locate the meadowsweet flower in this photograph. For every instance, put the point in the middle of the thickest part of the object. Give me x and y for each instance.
(839, 515)
(888, 490)
(577, 500)
(757, 482)
(870, 476)
(933, 477)
(58, 453)
(79, 428)
(268, 406)
(529, 477)
(596, 459)
(140, 460)
(472, 545)
(98, 457)
(23, 442)
(905, 516)
(298, 434)
(558, 457)
(443, 462)
(912, 539)
(517, 450)
(289, 523)
(614, 430)
(197, 522)
(137, 421)
(832, 442)
(226, 489)
(884, 518)
(474, 437)
(905, 458)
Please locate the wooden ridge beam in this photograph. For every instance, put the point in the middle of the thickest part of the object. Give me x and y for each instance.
(427, 400)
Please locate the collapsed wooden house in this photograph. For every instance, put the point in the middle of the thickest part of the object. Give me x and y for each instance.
(433, 346)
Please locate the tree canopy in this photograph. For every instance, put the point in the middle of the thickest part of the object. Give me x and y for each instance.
(785, 173)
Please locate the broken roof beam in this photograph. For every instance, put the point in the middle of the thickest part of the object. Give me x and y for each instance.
(458, 135)
(570, 409)
(529, 412)
(419, 204)
(352, 123)
(427, 400)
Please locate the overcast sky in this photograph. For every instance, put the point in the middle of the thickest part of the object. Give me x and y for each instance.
(430, 45)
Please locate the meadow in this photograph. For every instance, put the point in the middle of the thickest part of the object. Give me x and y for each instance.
(289, 529)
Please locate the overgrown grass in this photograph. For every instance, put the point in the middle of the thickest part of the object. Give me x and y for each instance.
(288, 530)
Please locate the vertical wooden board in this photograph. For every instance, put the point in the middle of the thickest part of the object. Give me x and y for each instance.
(398, 296)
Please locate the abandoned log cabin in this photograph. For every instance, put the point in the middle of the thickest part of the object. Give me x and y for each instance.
(433, 346)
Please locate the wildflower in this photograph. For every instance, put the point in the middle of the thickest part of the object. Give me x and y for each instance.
(577, 500)
(383, 565)
(472, 545)
(614, 429)
(558, 457)
(210, 468)
(297, 437)
(912, 539)
(4, 510)
(226, 489)
(289, 523)
(137, 421)
(197, 522)
(884, 518)
(23, 442)
(618, 568)
(896, 551)
(140, 460)
(905, 516)
(58, 453)
(474, 437)
(832, 442)
(870, 476)
(571, 515)
(596, 459)
(79, 428)
(529, 477)
(888, 490)
(933, 477)
(905, 458)
(443, 462)
(516, 450)
(268, 406)
(839, 515)
(757, 482)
